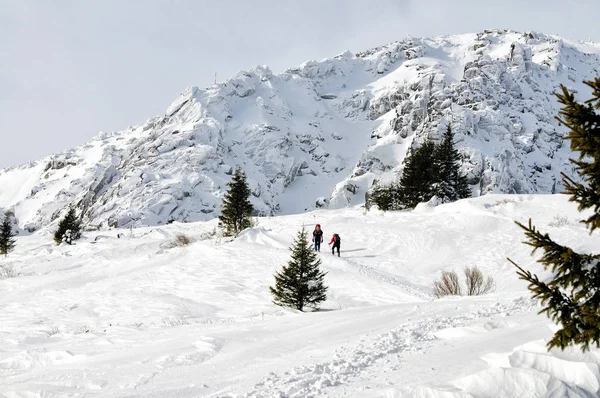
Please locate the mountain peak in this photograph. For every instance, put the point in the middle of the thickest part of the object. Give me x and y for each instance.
(320, 133)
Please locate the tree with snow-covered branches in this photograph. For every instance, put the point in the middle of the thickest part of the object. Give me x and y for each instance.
(572, 296)
(7, 241)
(430, 170)
(69, 228)
(451, 183)
(301, 283)
(237, 208)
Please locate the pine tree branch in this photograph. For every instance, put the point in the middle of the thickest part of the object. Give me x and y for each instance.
(572, 296)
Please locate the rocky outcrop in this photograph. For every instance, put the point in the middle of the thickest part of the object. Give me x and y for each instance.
(318, 135)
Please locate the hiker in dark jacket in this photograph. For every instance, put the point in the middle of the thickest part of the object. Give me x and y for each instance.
(335, 239)
(318, 237)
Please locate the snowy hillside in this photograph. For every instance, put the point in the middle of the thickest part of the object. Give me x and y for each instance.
(131, 317)
(323, 130)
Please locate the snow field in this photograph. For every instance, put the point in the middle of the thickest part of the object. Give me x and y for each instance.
(132, 316)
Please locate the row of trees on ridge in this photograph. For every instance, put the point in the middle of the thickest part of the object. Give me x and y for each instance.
(430, 170)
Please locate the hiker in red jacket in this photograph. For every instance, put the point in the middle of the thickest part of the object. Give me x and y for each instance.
(335, 239)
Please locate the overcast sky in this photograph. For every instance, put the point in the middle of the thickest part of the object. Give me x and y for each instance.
(69, 69)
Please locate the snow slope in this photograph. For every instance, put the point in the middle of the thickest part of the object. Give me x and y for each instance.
(321, 133)
(122, 314)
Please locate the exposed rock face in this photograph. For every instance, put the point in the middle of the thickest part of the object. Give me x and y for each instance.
(319, 134)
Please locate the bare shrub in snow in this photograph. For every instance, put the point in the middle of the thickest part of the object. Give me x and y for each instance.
(208, 235)
(447, 285)
(180, 240)
(139, 325)
(505, 201)
(173, 322)
(82, 329)
(7, 271)
(54, 330)
(476, 283)
(559, 221)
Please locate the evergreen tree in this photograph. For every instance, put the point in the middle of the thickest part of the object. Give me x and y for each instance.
(237, 209)
(572, 296)
(430, 170)
(300, 283)
(7, 243)
(419, 177)
(382, 196)
(69, 228)
(452, 185)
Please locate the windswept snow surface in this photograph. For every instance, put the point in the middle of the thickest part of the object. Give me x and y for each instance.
(130, 316)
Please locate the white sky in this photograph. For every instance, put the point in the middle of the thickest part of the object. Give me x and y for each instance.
(71, 68)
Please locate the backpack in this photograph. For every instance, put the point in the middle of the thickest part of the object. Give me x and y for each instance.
(338, 240)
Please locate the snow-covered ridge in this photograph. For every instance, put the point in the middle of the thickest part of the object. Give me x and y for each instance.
(323, 130)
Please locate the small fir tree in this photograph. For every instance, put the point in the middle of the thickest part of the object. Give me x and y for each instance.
(382, 196)
(419, 177)
(7, 242)
(572, 296)
(237, 209)
(300, 283)
(452, 185)
(69, 228)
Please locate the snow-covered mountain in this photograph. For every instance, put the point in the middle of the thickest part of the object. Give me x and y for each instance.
(319, 134)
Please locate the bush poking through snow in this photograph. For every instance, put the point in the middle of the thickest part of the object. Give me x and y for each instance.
(476, 283)
(505, 201)
(174, 322)
(82, 329)
(180, 240)
(559, 221)
(448, 285)
(7, 271)
(54, 330)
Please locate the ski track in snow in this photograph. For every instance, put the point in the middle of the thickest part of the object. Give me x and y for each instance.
(381, 276)
(390, 347)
